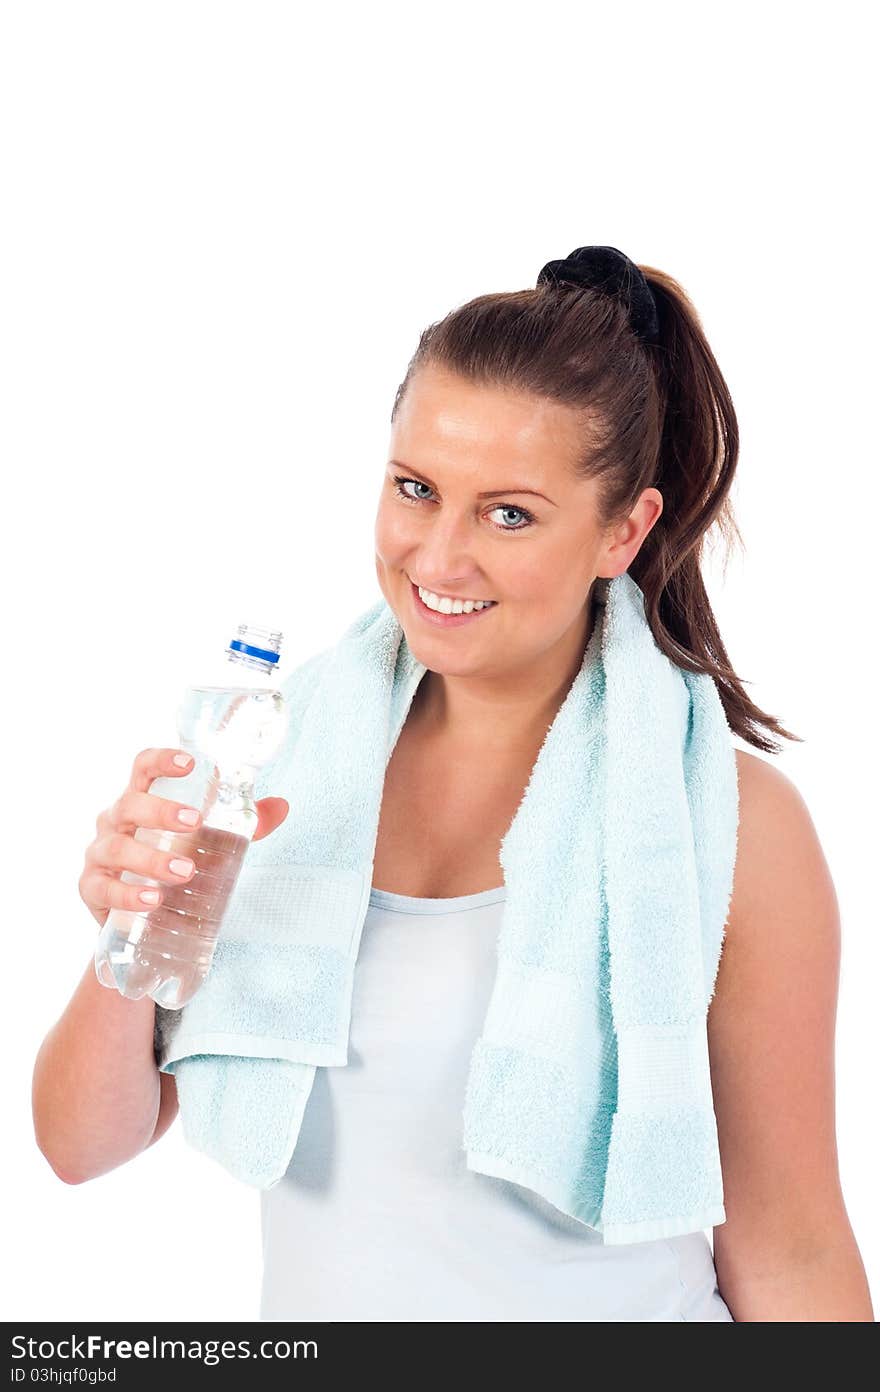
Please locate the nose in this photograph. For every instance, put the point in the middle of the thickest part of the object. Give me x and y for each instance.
(442, 563)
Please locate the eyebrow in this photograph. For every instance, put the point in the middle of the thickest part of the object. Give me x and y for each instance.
(491, 493)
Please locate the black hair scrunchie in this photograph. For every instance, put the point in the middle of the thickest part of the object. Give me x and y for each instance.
(609, 271)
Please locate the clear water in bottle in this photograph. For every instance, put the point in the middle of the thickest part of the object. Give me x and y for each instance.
(232, 729)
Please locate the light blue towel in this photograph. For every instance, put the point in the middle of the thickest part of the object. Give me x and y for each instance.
(589, 1083)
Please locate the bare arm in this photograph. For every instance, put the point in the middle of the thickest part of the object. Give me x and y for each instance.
(97, 1093)
(787, 1251)
(98, 1097)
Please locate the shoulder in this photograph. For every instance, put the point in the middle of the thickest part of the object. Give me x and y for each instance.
(783, 907)
(771, 1020)
(780, 865)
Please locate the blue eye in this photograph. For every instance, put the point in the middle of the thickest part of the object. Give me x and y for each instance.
(401, 479)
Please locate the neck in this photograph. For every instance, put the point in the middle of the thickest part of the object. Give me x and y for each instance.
(493, 713)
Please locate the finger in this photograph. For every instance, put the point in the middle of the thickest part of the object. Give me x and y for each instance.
(272, 812)
(167, 858)
(157, 763)
(134, 810)
(149, 764)
(101, 891)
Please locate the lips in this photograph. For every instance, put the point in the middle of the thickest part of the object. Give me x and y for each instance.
(464, 598)
(440, 620)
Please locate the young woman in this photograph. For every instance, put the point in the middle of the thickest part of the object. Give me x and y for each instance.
(542, 442)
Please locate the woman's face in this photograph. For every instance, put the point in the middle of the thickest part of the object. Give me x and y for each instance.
(535, 553)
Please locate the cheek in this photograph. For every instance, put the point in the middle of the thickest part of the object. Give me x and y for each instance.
(526, 576)
(392, 534)
(547, 593)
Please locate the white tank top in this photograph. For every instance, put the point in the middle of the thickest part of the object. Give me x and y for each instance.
(378, 1217)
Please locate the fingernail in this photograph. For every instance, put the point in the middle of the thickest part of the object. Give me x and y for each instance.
(181, 867)
(149, 896)
(181, 760)
(188, 817)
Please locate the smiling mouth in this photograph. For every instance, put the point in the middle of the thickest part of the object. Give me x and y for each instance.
(450, 607)
(438, 618)
(453, 599)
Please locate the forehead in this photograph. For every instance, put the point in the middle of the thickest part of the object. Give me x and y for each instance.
(444, 420)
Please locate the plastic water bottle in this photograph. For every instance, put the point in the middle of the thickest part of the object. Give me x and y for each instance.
(231, 730)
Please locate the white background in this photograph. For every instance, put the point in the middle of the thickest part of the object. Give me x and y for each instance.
(223, 228)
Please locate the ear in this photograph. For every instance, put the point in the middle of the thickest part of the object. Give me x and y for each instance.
(624, 539)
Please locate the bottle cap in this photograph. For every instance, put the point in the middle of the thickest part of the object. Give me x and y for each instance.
(254, 641)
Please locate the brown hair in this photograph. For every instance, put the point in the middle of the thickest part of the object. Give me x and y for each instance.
(656, 415)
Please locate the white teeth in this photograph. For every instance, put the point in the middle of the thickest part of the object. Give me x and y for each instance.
(445, 605)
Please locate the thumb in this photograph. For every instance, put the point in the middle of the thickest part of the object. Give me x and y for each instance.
(272, 811)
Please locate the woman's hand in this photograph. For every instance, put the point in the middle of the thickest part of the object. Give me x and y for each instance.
(115, 847)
